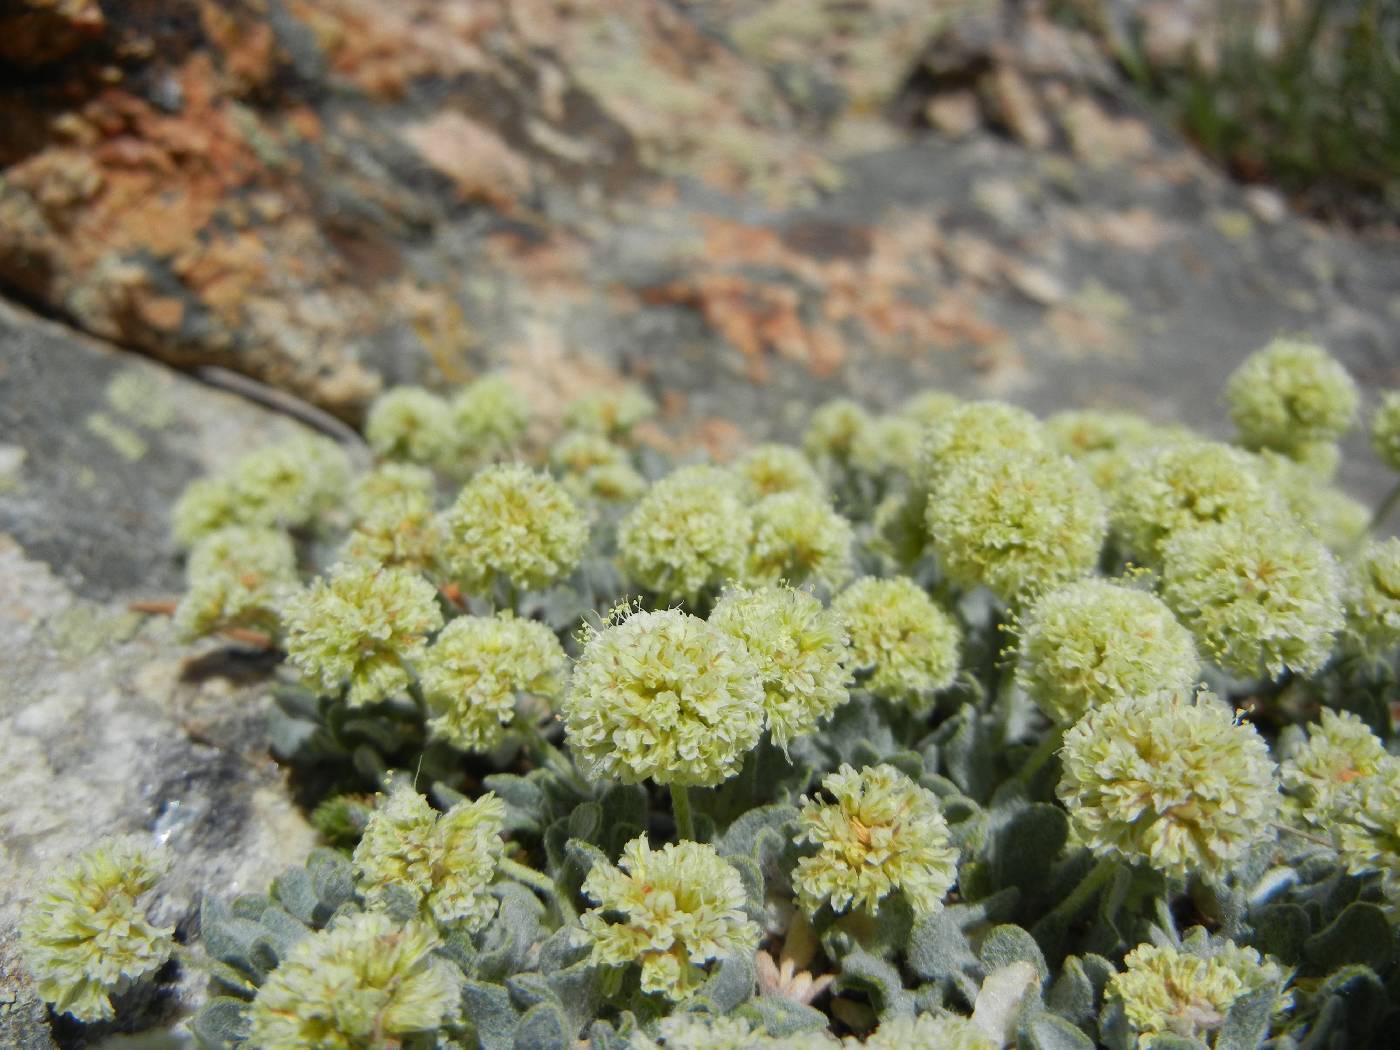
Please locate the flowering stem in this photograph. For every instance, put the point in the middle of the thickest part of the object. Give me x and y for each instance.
(680, 805)
(1386, 506)
(1044, 751)
(1069, 908)
(538, 881)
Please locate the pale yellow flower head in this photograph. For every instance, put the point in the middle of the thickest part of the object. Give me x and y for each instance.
(514, 524)
(364, 626)
(881, 833)
(1373, 601)
(1385, 429)
(610, 413)
(410, 423)
(489, 418)
(206, 505)
(1260, 595)
(673, 911)
(476, 668)
(390, 481)
(399, 529)
(363, 982)
(798, 538)
(767, 470)
(1325, 777)
(1169, 990)
(832, 431)
(929, 406)
(87, 937)
(1016, 522)
(1290, 393)
(973, 428)
(907, 647)
(288, 484)
(1094, 641)
(799, 649)
(927, 1032)
(1169, 781)
(237, 577)
(687, 536)
(442, 861)
(663, 696)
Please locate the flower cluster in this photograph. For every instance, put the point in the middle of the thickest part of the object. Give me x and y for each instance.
(412, 424)
(362, 982)
(798, 538)
(672, 911)
(514, 525)
(237, 577)
(87, 937)
(907, 646)
(363, 627)
(1326, 775)
(610, 413)
(769, 470)
(663, 696)
(489, 418)
(439, 863)
(882, 833)
(799, 649)
(1373, 601)
(1173, 782)
(1385, 430)
(1291, 394)
(475, 670)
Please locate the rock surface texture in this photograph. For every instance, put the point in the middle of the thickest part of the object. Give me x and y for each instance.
(746, 205)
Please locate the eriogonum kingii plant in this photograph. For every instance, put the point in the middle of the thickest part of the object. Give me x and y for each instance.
(610, 413)
(904, 645)
(361, 629)
(1189, 993)
(798, 538)
(1168, 780)
(663, 696)
(489, 417)
(1260, 594)
(513, 525)
(1291, 393)
(87, 936)
(799, 649)
(1182, 486)
(477, 668)
(1373, 602)
(443, 863)
(688, 536)
(1016, 522)
(1096, 640)
(366, 981)
(1385, 429)
(410, 423)
(768, 470)
(672, 911)
(881, 833)
(1324, 510)
(237, 577)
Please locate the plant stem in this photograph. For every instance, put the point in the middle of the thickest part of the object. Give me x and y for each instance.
(680, 805)
(1044, 751)
(1069, 908)
(546, 754)
(537, 880)
(1386, 506)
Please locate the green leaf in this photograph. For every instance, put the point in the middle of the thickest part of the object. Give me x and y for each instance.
(1360, 935)
(220, 1023)
(332, 877)
(781, 1017)
(731, 984)
(1048, 1032)
(1026, 845)
(525, 801)
(1247, 1024)
(880, 981)
(295, 891)
(1073, 995)
(586, 821)
(1007, 944)
(1281, 930)
(544, 1027)
(488, 1008)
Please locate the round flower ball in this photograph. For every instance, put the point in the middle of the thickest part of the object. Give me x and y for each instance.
(1259, 594)
(1094, 641)
(972, 428)
(1385, 429)
(798, 538)
(237, 577)
(767, 470)
(663, 696)
(907, 647)
(687, 536)
(1169, 781)
(610, 413)
(1183, 486)
(489, 417)
(799, 649)
(832, 431)
(515, 524)
(475, 669)
(1016, 522)
(929, 406)
(672, 911)
(1289, 393)
(1373, 601)
(881, 833)
(409, 423)
(889, 449)
(363, 627)
(290, 483)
